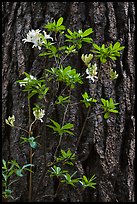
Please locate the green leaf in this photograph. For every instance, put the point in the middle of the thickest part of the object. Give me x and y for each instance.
(4, 164)
(103, 101)
(33, 144)
(11, 172)
(106, 115)
(103, 47)
(67, 126)
(69, 31)
(8, 192)
(87, 32)
(116, 46)
(68, 36)
(69, 163)
(43, 54)
(60, 21)
(85, 179)
(92, 178)
(113, 111)
(113, 58)
(32, 94)
(27, 165)
(54, 128)
(96, 46)
(56, 124)
(88, 40)
(69, 132)
(19, 172)
(5, 177)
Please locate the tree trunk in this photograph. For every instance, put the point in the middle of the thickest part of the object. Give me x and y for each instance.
(106, 148)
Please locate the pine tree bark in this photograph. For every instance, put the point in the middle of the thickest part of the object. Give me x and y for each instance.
(106, 149)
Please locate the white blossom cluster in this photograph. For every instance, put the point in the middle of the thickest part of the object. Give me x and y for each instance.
(10, 121)
(92, 72)
(35, 37)
(27, 80)
(39, 114)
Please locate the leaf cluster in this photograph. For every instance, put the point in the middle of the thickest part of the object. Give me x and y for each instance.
(61, 130)
(30, 140)
(55, 26)
(67, 75)
(109, 107)
(66, 157)
(87, 100)
(9, 169)
(68, 179)
(87, 182)
(103, 53)
(77, 38)
(34, 86)
(65, 177)
(62, 100)
(57, 171)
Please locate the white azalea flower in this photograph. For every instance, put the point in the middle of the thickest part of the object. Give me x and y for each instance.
(92, 72)
(47, 36)
(10, 121)
(34, 36)
(113, 74)
(39, 114)
(27, 80)
(80, 31)
(86, 58)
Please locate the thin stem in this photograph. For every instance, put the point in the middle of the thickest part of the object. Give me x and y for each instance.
(71, 104)
(63, 90)
(83, 128)
(57, 189)
(21, 128)
(60, 139)
(87, 117)
(64, 58)
(30, 177)
(29, 109)
(66, 108)
(30, 154)
(30, 127)
(96, 114)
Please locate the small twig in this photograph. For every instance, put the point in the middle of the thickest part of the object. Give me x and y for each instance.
(83, 128)
(96, 115)
(21, 128)
(57, 189)
(60, 139)
(30, 154)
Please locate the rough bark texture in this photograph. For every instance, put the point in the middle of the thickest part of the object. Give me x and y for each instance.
(106, 149)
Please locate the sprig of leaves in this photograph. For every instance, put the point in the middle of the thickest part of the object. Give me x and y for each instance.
(61, 130)
(67, 75)
(77, 38)
(30, 140)
(62, 100)
(69, 179)
(113, 74)
(85, 182)
(87, 100)
(103, 53)
(66, 157)
(109, 107)
(10, 168)
(57, 171)
(55, 26)
(34, 86)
